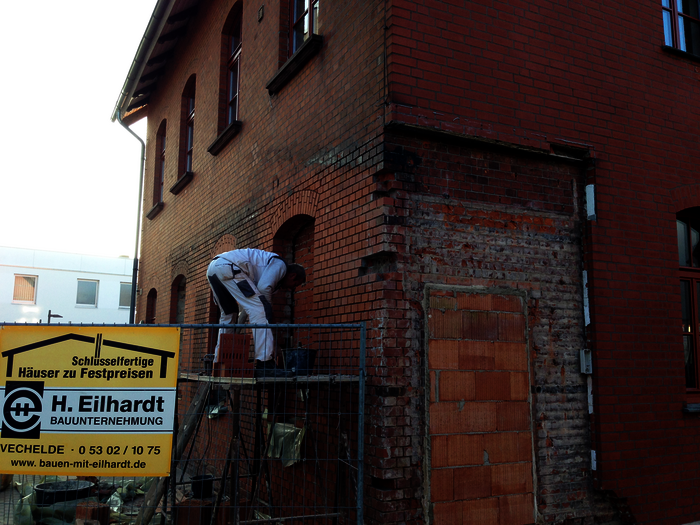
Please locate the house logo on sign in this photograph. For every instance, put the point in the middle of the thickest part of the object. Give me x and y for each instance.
(21, 411)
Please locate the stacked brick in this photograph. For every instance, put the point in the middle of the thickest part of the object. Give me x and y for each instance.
(480, 417)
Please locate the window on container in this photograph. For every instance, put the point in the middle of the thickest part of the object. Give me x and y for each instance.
(87, 293)
(688, 230)
(681, 20)
(304, 22)
(159, 172)
(187, 131)
(124, 295)
(25, 289)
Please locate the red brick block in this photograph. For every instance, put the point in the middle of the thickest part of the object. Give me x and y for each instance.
(438, 451)
(465, 450)
(481, 512)
(517, 509)
(445, 325)
(480, 326)
(511, 327)
(472, 482)
(519, 386)
(510, 356)
(502, 447)
(493, 386)
(447, 513)
(507, 303)
(456, 386)
(476, 355)
(442, 302)
(93, 510)
(441, 484)
(511, 478)
(513, 416)
(524, 446)
(443, 354)
(460, 417)
(474, 302)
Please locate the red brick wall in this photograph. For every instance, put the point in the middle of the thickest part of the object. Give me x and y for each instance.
(395, 209)
(548, 75)
(468, 214)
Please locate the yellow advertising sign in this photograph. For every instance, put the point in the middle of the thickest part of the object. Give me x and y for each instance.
(87, 400)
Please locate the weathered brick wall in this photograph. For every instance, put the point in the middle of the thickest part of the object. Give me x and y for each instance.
(290, 144)
(310, 150)
(475, 216)
(550, 75)
(391, 215)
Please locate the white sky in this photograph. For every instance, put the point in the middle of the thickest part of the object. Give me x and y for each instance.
(69, 177)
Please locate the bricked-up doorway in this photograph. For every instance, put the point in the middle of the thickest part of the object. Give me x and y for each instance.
(480, 434)
(294, 242)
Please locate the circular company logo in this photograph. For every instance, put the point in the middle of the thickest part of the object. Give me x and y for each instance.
(20, 411)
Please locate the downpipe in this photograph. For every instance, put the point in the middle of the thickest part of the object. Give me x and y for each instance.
(134, 275)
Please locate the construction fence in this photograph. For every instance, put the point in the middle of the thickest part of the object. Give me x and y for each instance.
(286, 447)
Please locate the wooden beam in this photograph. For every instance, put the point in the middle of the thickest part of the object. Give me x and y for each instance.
(184, 434)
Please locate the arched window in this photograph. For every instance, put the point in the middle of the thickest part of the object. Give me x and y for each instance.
(688, 228)
(294, 242)
(229, 124)
(187, 128)
(151, 301)
(177, 300)
(231, 45)
(159, 172)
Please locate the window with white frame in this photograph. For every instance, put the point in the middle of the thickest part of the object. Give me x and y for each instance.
(125, 295)
(87, 293)
(688, 228)
(232, 38)
(304, 22)
(25, 289)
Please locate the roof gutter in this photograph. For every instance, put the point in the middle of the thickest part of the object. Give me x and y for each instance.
(159, 18)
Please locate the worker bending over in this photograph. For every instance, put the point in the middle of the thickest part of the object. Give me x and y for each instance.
(249, 277)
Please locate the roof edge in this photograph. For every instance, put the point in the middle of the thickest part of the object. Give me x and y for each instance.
(158, 19)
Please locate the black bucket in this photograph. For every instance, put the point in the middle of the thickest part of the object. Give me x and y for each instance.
(57, 491)
(301, 361)
(208, 364)
(202, 486)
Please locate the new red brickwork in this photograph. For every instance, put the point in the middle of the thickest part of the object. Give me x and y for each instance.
(480, 440)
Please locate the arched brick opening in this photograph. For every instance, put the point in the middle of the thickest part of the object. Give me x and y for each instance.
(151, 304)
(178, 294)
(294, 242)
(226, 243)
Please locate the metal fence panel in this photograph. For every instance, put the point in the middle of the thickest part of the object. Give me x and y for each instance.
(246, 449)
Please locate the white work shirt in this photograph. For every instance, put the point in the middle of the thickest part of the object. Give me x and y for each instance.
(256, 264)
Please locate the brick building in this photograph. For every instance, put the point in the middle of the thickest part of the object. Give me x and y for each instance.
(493, 186)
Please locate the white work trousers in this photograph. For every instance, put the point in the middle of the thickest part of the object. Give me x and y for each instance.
(249, 299)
